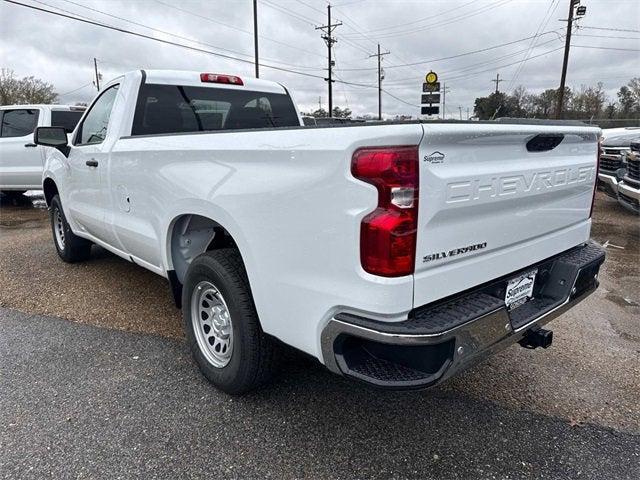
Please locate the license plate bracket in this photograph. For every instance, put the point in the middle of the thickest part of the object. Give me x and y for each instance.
(520, 289)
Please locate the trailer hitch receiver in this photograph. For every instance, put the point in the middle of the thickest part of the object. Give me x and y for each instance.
(537, 338)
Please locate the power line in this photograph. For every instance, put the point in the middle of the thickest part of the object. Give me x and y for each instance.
(607, 48)
(473, 66)
(482, 9)
(292, 14)
(504, 66)
(399, 99)
(75, 90)
(611, 29)
(605, 36)
(233, 27)
(169, 33)
(450, 57)
(175, 44)
(403, 26)
(137, 24)
(167, 42)
(478, 64)
(543, 24)
(310, 21)
(311, 7)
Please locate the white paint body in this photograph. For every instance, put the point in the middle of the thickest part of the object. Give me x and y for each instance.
(291, 204)
(21, 162)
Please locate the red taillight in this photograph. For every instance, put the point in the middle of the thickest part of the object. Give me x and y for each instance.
(388, 234)
(595, 183)
(217, 78)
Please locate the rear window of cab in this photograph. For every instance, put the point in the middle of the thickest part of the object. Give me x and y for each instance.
(163, 109)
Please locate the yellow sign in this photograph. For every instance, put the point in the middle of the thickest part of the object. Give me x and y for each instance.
(431, 77)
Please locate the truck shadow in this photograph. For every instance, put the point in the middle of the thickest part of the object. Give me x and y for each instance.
(440, 433)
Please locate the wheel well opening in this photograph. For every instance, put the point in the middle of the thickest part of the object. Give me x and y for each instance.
(50, 190)
(192, 235)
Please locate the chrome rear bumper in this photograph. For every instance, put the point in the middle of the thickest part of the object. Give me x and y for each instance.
(440, 340)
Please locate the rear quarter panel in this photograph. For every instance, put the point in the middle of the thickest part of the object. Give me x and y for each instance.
(289, 200)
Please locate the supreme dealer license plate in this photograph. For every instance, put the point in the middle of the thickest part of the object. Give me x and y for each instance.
(520, 289)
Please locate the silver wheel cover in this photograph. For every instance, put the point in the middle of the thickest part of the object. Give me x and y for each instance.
(58, 228)
(211, 323)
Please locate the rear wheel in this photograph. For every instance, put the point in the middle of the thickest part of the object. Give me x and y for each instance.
(222, 325)
(69, 246)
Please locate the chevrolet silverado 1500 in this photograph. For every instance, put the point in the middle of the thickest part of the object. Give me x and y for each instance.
(21, 160)
(629, 186)
(394, 253)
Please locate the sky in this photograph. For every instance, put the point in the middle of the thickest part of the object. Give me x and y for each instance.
(454, 38)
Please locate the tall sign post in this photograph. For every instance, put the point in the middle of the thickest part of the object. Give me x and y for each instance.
(430, 101)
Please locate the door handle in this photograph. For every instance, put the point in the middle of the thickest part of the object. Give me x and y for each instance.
(30, 145)
(91, 163)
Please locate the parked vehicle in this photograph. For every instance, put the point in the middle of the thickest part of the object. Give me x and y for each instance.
(395, 253)
(309, 121)
(615, 145)
(21, 160)
(629, 187)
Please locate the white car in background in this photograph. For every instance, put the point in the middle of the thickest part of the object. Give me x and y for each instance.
(21, 160)
(613, 166)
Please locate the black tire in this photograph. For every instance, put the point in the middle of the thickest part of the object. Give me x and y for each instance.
(71, 248)
(254, 354)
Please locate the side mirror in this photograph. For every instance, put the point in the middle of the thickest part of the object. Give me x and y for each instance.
(55, 137)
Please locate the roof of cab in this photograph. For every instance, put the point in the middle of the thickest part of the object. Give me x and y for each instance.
(52, 106)
(192, 78)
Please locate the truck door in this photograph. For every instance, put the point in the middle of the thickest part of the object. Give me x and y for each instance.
(20, 158)
(88, 162)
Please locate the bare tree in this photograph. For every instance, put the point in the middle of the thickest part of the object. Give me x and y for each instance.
(20, 91)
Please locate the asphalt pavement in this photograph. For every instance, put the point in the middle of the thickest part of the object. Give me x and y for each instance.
(78, 401)
(96, 382)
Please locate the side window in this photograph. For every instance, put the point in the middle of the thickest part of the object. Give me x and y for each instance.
(94, 126)
(66, 118)
(18, 123)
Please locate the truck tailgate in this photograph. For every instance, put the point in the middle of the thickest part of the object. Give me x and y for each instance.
(497, 198)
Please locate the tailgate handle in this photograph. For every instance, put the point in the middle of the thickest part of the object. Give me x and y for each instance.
(544, 142)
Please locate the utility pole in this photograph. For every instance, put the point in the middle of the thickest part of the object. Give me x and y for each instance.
(467, 113)
(567, 44)
(497, 81)
(460, 110)
(444, 100)
(95, 67)
(379, 55)
(255, 35)
(329, 40)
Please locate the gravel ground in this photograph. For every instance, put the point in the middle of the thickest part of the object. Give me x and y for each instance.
(591, 375)
(78, 401)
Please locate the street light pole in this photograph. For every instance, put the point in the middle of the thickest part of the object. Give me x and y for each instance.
(255, 35)
(567, 45)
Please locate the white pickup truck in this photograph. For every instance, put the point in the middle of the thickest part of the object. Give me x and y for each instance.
(394, 253)
(21, 160)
